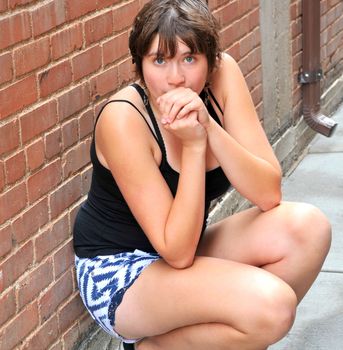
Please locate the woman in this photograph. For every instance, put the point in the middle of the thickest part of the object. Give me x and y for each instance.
(149, 269)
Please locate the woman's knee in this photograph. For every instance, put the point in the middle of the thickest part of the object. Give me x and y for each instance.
(277, 309)
(306, 223)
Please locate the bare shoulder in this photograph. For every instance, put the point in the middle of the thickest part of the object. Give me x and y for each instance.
(124, 111)
(226, 70)
(226, 75)
(121, 126)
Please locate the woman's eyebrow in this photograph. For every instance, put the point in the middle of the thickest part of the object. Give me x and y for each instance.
(150, 54)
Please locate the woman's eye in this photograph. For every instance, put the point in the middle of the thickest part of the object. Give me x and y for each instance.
(189, 59)
(159, 60)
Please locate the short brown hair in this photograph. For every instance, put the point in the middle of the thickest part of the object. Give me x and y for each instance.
(189, 20)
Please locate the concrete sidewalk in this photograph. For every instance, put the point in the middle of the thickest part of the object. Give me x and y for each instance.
(318, 179)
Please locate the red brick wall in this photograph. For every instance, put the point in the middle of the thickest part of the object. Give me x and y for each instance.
(240, 37)
(331, 40)
(59, 60)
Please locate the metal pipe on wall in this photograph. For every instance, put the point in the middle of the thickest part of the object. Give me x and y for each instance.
(311, 73)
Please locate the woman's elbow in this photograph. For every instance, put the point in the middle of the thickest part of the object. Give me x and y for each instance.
(181, 263)
(270, 201)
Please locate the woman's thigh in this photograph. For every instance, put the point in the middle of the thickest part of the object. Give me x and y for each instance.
(260, 238)
(211, 290)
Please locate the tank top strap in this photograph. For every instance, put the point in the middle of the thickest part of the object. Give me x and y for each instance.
(215, 101)
(146, 102)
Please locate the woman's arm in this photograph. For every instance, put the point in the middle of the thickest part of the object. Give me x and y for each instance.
(242, 148)
(173, 225)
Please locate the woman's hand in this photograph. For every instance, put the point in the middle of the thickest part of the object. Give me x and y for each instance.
(179, 103)
(188, 130)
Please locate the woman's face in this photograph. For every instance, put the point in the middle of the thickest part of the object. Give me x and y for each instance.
(162, 74)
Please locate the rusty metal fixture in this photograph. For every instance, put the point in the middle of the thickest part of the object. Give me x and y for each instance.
(311, 73)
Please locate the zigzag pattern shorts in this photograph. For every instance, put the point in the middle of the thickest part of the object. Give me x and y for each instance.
(103, 280)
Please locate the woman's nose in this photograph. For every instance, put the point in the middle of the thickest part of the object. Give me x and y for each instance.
(175, 75)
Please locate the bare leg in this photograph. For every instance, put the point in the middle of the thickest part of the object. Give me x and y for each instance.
(219, 304)
(214, 304)
(200, 337)
(291, 241)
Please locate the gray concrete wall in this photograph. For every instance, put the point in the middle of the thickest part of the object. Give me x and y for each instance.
(276, 66)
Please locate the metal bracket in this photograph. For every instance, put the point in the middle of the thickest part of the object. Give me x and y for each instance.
(310, 77)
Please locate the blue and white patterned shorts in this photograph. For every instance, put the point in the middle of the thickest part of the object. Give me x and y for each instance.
(103, 280)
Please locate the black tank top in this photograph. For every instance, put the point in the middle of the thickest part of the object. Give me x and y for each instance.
(105, 224)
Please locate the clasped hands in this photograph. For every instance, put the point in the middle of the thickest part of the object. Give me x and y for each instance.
(184, 114)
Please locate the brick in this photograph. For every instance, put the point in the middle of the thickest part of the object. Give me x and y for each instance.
(48, 16)
(16, 3)
(247, 44)
(254, 78)
(32, 56)
(6, 71)
(244, 7)
(55, 295)
(14, 29)
(87, 62)
(215, 3)
(86, 180)
(16, 264)
(3, 5)
(9, 137)
(227, 14)
(5, 241)
(66, 41)
(34, 282)
(227, 37)
(35, 155)
(65, 196)
(115, 48)
(15, 167)
(39, 120)
(17, 96)
(256, 95)
(44, 180)
(44, 336)
(51, 238)
(86, 124)
(124, 15)
(55, 78)
(86, 323)
(234, 51)
(7, 306)
(53, 143)
(16, 331)
(70, 312)
(12, 202)
(104, 83)
(78, 8)
(57, 346)
(30, 221)
(70, 133)
(106, 3)
(73, 101)
(98, 27)
(64, 258)
(2, 175)
(77, 158)
(254, 19)
(126, 72)
(71, 336)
